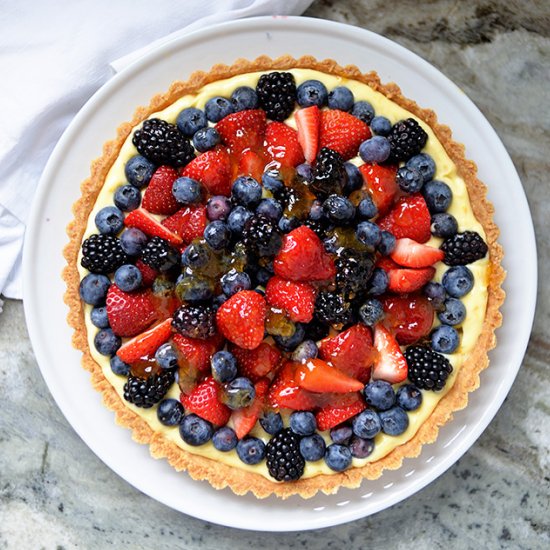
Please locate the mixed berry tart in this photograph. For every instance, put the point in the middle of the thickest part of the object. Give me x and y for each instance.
(284, 276)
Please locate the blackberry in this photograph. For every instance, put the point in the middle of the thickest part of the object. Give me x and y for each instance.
(353, 270)
(427, 369)
(277, 95)
(261, 236)
(102, 254)
(407, 139)
(284, 460)
(329, 174)
(195, 321)
(162, 143)
(464, 248)
(159, 254)
(315, 330)
(333, 308)
(146, 392)
(320, 227)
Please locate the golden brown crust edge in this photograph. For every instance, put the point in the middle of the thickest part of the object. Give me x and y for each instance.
(218, 474)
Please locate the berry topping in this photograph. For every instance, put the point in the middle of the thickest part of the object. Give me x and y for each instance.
(367, 424)
(458, 281)
(224, 439)
(340, 98)
(395, 421)
(187, 224)
(407, 139)
(205, 403)
(408, 317)
(318, 376)
(287, 394)
(312, 92)
(297, 299)
(353, 270)
(307, 124)
(390, 365)
(195, 431)
(170, 412)
(438, 195)
(409, 397)
(243, 130)
(444, 225)
(158, 197)
(213, 170)
(409, 218)
(284, 461)
(251, 450)
(245, 418)
(238, 394)
(109, 220)
(445, 339)
(428, 369)
(282, 144)
(93, 289)
(261, 236)
(409, 253)
(190, 121)
(329, 174)
(107, 342)
(146, 343)
(405, 280)
(258, 362)
(363, 110)
(375, 150)
(102, 254)
(464, 248)
(146, 392)
(195, 321)
(130, 313)
(312, 447)
(196, 354)
(333, 309)
(380, 395)
(138, 171)
(142, 220)
(334, 414)
(277, 94)
(382, 184)
(342, 132)
(159, 255)
(244, 98)
(217, 108)
(338, 457)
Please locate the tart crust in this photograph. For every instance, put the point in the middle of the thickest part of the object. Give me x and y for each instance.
(220, 475)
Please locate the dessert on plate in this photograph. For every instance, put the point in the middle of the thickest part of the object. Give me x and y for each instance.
(283, 276)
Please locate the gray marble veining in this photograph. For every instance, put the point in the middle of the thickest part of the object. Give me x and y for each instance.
(54, 493)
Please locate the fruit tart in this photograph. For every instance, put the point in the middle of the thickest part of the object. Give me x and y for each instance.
(283, 276)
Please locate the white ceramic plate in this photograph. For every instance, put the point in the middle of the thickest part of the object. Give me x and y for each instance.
(59, 189)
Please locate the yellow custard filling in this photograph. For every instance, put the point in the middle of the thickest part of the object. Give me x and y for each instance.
(475, 301)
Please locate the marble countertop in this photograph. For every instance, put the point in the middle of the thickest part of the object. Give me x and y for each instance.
(496, 496)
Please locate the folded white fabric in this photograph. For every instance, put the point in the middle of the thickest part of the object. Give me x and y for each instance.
(53, 56)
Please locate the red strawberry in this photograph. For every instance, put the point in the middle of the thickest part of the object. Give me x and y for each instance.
(282, 144)
(256, 363)
(150, 226)
(297, 299)
(251, 164)
(146, 343)
(303, 257)
(409, 218)
(408, 317)
(158, 197)
(204, 402)
(307, 124)
(148, 274)
(285, 393)
(319, 377)
(342, 132)
(195, 353)
(332, 415)
(409, 253)
(130, 313)
(390, 364)
(188, 223)
(382, 184)
(241, 319)
(213, 170)
(243, 130)
(350, 351)
(404, 280)
(245, 419)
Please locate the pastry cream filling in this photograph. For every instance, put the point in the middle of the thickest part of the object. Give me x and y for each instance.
(475, 301)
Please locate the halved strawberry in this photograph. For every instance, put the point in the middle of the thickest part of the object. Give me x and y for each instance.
(409, 253)
(148, 274)
(158, 197)
(146, 343)
(195, 353)
(256, 363)
(382, 184)
(204, 402)
(342, 132)
(213, 170)
(307, 123)
(303, 257)
(251, 164)
(405, 280)
(408, 317)
(130, 313)
(245, 419)
(333, 414)
(318, 376)
(282, 145)
(243, 130)
(188, 223)
(285, 393)
(409, 218)
(150, 226)
(390, 364)
(297, 299)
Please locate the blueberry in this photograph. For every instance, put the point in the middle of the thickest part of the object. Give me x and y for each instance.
(194, 288)
(119, 367)
(127, 198)
(341, 98)
(107, 342)
(438, 196)
(387, 243)
(271, 180)
(355, 179)
(366, 424)
(225, 439)
(217, 234)
(305, 351)
(218, 301)
(263, 275)
(312, 447)
(170, 412)
(128, 278)
(378, 282)
(251, 450)
(375, 150)
(311, 92)
(367, 209)
(109, 220)
(190, 120)
(379, 394)
(303, 422)
(364, 111)
(394, 421)
(341, 434)
(368, 233)
(187, 190)
(409, 397)
(195, 431)
(444, 225)
(218, 208)
(424, 164)
(206, 139)
(338, 457)
(133, 241)
(234, 281)
(272, 422)
(218, 108)
(139, 171)
(371, 312)
(316, 211)
(445, 339)
(339, 209)
(436, 294)
(290, 343)
(454, 312)
(409, 179)
(305, 171)
(224, 366)
(380, 125)
(360, 447)
(196, 255)
(288, 224)
(244, 98)
(270, 208)
(99, 317)
(246, 191)
(239, 393)
(237, 218)
(166, 357)
(93, 289)
(458, 281)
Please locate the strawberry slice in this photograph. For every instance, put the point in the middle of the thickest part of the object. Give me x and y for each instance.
(333, 414)
(409, 253)
(148, 273)
(212, 169)
(256, 363)
(241, 319)
(342, 132)
(319, 377)
(409, 218)
(381, 183)
(243, 130)
(405, 280)
(307, 124)
(297, 299)
(141, 219)
(130, 313)
(285, 393)
(251, 164)
(195, 353)
(245, 419)
(146, 343)
(188, 223)
(390, 365)
(282, 144)
(408, 317)
(158, 197)
(204, 402)
(350, 351)
(302, 257)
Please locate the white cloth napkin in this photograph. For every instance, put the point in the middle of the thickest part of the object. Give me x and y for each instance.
(53, 56)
